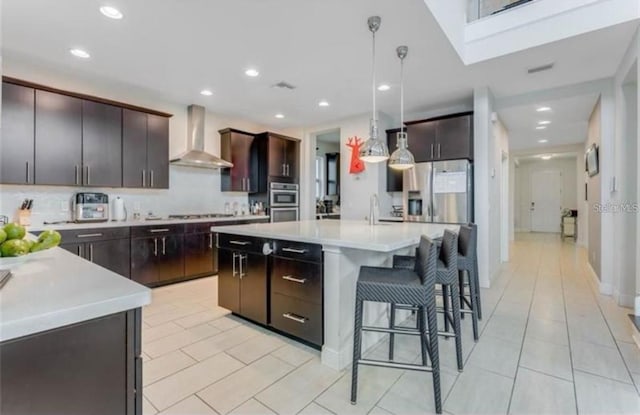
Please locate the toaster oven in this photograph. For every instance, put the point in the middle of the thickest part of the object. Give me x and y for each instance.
(90, 207)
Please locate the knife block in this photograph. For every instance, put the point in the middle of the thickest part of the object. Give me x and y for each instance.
(24, 217)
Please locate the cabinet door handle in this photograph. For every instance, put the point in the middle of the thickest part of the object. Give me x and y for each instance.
(89, 235)
(77, 175)
(91, 252)
(79, 250)
(240, 258)
(155, 246)
(164, 245)
(88, 175)
(248, 184)
(294, 279)
(283, 169)
(242, 243)
(431, 150)
(151, 171)
(144, 178)
(439, 148)
(210, 241)
(295, 251)
(27, 171)
(295, 317)
(233, 266)
(288, 170)
(158, 230)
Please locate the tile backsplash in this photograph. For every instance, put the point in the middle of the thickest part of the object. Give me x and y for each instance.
(190, 190)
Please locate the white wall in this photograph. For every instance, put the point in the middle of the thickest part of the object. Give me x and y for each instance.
(490, 142)
(523, 173)
(626, 281)
(355, 190)
(191, 190)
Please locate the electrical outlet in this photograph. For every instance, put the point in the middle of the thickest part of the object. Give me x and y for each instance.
(64, 206)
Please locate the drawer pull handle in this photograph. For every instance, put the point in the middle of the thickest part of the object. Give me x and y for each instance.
(89, 235)
(243, 243)
(295, 251)
(159, 230)
(295, 317)
(294, 279)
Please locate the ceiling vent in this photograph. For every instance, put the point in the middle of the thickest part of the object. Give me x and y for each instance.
(284, 85)
(541, 68)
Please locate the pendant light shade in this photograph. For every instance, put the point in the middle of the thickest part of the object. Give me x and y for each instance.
(402, 159)
(374, 150)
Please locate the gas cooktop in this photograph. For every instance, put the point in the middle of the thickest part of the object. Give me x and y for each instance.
(200, 215)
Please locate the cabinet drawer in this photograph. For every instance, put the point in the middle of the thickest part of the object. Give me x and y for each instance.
(298, 250)
(94, 234)
(297, 279)
(198, 227)
(142, 231)
(296, 317)
(242, 243)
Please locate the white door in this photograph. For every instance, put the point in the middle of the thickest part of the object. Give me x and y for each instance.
(546, 201)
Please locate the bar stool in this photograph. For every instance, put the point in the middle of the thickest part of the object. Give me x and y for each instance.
(447, 277)
(414, 287)
(468, 266)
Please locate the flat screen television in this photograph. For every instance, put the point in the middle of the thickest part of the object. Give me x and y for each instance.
(591, 160)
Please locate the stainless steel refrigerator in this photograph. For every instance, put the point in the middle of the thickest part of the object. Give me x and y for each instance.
(439, 192)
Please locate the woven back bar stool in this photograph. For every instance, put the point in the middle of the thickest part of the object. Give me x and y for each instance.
(468, 274)
(447, 277)
(406, 286)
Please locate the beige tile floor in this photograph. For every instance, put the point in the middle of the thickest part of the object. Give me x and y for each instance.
(549, 344)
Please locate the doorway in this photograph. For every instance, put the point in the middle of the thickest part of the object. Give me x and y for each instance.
(546, 200)
(327, 172)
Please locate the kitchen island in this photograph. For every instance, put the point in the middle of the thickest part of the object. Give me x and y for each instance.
(70, 338)
(345, 246)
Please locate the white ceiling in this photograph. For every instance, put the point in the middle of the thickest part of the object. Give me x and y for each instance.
(177, 48)
(569, 120)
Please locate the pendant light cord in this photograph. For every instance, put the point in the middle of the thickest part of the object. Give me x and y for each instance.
(402, 95)
(373, 77)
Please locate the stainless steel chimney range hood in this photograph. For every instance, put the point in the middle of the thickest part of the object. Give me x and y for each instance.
(195, 156)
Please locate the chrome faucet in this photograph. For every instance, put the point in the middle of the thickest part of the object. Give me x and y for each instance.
(374, 209)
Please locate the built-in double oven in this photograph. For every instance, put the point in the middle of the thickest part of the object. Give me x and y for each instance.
(284, 201)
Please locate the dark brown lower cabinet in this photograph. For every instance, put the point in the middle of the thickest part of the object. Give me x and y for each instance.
(112, 254)
(242, 276)
(89, 368)
(200, 257)
(158, 259)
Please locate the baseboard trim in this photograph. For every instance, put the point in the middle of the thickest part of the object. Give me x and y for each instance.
(624, 300)
(604, 288)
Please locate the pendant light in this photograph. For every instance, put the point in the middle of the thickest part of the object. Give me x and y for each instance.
(402, 159)
(374, 150)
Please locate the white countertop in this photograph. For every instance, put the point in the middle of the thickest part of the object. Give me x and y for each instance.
(57, 288)
(384, 237)
(129, 223)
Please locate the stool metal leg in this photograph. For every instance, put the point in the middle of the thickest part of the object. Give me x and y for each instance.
(422, 326)
(432, 322)
(455, 299)
(474, 305)
(392, 323)
(462, 304)
(477, 280)
(357, 350)
(446, 305)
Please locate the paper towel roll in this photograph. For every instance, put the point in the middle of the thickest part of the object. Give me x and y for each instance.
(119, 211)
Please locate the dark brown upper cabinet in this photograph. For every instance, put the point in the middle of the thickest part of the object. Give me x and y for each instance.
(443, 138)
(17, 144)
(241, 149)
(283, 157)
(145, 146)
(101, 144)
(58, 143)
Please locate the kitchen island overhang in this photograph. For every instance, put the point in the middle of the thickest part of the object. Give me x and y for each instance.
(346, 245)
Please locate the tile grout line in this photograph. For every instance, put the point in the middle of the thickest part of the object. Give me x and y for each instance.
(526, 325)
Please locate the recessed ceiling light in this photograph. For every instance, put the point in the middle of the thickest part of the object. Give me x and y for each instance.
(206, 92)
(540, 127)
(543, 109)
(546, 157)
(252, 72)
(111, 12)
(543, 141)
(279, 115)
(323, 103)
(384, 87)
(545, 122)
(79, 53)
